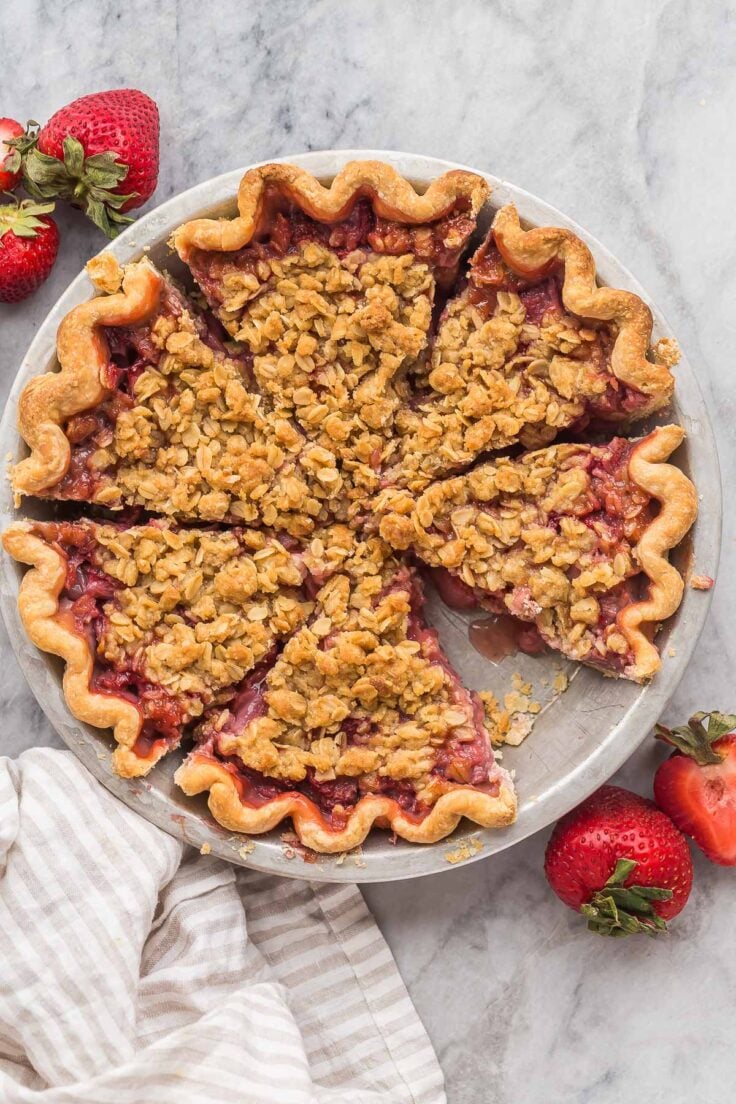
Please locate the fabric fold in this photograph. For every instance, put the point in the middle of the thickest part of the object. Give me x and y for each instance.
(135, 969)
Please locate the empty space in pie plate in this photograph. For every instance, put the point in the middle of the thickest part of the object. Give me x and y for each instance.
(580, 736)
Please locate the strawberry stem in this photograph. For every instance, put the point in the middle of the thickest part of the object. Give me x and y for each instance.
(24, 219)
(87, 182)
(619, 910)
(695, 739)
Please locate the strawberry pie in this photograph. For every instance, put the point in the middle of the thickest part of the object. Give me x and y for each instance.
(245, 481)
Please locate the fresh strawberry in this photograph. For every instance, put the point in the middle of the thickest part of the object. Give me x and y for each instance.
(29, 242)
(696, 786)
(621, 862)
(100, 152)
(10, 166)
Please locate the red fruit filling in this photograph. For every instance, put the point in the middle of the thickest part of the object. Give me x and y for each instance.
(541, 295)
(86, 597)
(439, 244)
(460, 762)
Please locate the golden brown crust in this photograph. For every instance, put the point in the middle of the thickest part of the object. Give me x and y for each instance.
(679, 507)
(200, 773)
(392, 196)
(39, 610)
(512, 556)
(49, 400)
(534, 252)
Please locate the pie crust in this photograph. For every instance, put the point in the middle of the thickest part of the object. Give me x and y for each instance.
(534, 252)
(38, 606)
(529, 347)
(303, 391)
(524, 548)
(49, 400)
(363, 699)
(187, 613)
(392, 197)
(199, 775)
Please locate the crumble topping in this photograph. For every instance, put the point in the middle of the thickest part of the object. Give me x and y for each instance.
(362, 692)
(548, 537)
(508, 365)
(328, 336)
(192, 439)
(190, 611)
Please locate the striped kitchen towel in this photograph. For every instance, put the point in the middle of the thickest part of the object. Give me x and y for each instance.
(134, 970)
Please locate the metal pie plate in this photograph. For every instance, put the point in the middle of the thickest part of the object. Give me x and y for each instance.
(580, 737)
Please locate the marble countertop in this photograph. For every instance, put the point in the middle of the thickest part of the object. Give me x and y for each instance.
(620, 114)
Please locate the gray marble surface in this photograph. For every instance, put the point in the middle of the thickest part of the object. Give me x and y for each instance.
(621, 114)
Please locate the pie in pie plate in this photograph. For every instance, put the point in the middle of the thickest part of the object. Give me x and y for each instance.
(275, 474)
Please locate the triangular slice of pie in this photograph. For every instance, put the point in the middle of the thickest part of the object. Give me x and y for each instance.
(156, 624)
(530, 346)
(151, 408)
(572, 539)
(331, 291)
(359, 719)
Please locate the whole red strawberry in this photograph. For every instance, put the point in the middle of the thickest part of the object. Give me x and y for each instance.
(29, 242)
(696, 786)
(100, 152)
(10, 162)
(621, 862)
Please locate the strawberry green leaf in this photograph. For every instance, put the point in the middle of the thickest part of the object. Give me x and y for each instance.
(695, 739)
(618, 910)
(73, 156)
(87, 182)
(24, 219)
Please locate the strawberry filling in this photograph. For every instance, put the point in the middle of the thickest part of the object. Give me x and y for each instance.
(439, 244)
(541, 295)
(88, 598)
(457, 762)
(618, 511)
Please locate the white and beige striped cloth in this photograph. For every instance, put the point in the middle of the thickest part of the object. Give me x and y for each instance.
(134, 970)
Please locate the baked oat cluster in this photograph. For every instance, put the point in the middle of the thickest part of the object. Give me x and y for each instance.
(509, 365)
(549, 538)
(187, 611)
(359, 693)
(193, 439)
(304, 435)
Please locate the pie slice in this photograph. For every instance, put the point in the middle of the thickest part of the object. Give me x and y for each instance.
(156, 624)
(331, 291)
(572, 538)
(529, 347)
(151, 408)
(359, 720)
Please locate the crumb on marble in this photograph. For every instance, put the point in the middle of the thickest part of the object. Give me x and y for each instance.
(672, 652)
(246, 850)
(205, 849)
(702, 582)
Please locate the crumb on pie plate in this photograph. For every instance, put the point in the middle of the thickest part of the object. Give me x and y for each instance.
(258, 457)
